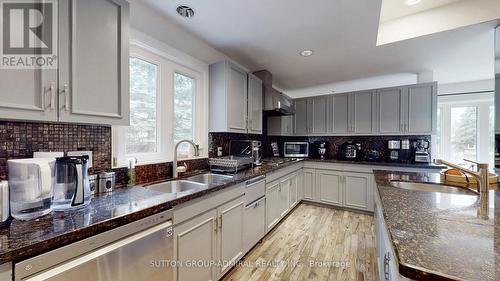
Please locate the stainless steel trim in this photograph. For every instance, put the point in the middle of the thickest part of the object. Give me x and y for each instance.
(83, 248)
(255, 180)
(296, 155)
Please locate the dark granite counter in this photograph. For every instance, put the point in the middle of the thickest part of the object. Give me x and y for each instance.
(23, 239)
(382, 163)
(440, 236)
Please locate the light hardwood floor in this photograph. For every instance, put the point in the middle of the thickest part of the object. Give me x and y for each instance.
(313, 234)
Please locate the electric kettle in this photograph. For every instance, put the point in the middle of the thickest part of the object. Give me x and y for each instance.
(72, 189)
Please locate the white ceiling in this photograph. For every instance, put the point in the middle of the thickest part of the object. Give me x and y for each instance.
(263, 34)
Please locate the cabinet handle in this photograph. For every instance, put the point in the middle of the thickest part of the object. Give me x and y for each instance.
(66, 96)
(52, 95)
(51, 102)
(216, 224)
(387, 259)
(220, 222)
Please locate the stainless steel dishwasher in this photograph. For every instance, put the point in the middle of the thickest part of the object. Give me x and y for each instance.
(140, 250)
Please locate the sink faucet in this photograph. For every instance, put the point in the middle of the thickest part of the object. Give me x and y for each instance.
(481, 175)
(196, 153)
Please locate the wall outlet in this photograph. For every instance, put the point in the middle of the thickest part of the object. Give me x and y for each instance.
(219, 151)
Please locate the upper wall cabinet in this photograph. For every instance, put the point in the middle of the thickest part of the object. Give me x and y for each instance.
(301, 125)
(318, 112)
(391, 111)
(255, 100)
(407, 110)
(235, 100)
(94, 55)
(90, 84)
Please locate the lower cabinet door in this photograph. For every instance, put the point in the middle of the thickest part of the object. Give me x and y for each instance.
(273, 208)
(284, 197)
(309, 176)
(329, 187)
(195, 240)
(358, 191)
(255, 223)
(231, 218)
(293, 197)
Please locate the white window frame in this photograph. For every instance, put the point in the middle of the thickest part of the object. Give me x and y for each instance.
(482, 101)
(170, 61)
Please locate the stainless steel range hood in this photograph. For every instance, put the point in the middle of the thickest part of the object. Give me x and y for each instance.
(275, 102)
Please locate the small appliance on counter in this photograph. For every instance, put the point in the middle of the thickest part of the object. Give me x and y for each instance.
(72, 189)
(31, 183)
(318, 150)
(422, 151)
(350, 150)
(4, 202)
(394, 146)
(296, 149)
(371, 155)
(93, 184)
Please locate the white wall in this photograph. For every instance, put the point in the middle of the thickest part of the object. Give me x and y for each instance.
(467, 87)
(355, 85)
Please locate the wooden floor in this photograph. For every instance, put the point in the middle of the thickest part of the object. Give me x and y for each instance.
(313, 243)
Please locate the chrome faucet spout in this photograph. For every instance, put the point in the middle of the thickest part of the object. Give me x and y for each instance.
(481, 175)
(174, 164)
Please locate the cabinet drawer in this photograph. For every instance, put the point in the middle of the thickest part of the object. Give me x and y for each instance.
(255, 189)
(255, 223)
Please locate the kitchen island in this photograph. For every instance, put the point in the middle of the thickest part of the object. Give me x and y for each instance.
(435, 235)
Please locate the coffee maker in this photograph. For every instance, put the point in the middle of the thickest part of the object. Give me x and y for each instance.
(422, 151)
(321, 150)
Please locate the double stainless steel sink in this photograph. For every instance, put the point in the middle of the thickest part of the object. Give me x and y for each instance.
(194, 183)
(429, 187)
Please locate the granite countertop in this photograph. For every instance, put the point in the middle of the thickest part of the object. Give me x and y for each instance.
(23, 239)
(440, 236)
(381, 163)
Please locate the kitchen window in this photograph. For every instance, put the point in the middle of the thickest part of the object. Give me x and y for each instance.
(466, 128)
(168, 103)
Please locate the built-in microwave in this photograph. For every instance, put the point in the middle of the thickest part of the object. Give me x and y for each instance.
(296, 149)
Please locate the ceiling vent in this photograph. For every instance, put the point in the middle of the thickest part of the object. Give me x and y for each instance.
(185, 11)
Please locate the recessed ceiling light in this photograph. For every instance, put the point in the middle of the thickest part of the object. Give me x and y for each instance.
(185, 11)
(306, 53)
(412, 2)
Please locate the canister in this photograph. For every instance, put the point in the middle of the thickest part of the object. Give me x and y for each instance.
(94, 184)
(106, 182)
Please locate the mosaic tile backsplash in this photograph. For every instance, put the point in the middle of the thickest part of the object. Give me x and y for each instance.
(21, 139)
(378, 143)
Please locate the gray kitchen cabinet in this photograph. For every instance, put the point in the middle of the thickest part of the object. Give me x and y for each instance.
(280, 125)
(94, 66)
(229, 101)
(28, 94)
(308, 186)
(230, 236)
(273, 205)
(301, 126)
(363, 116)
(254, 105)
(196, 240)
(255, 223)
(390, 113)
(293, 192)
(358, 191)
(318, 112)
(284, 196)
(421, 108)
(329, 187)
(91, 82)
(340, 115)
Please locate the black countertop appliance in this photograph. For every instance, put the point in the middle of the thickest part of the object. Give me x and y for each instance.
(350, 151)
